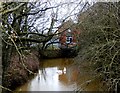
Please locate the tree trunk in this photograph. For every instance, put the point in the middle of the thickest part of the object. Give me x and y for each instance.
(0, 53)
(0, 62)
(6, 57)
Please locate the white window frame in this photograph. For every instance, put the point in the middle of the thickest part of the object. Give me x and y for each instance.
(68, 39)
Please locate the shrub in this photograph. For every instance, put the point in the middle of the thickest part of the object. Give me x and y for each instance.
(100, 41)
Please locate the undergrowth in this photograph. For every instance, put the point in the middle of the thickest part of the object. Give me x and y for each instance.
(100, 41)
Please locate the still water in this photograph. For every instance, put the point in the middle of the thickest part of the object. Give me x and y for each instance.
(53, 75)
(62, 75)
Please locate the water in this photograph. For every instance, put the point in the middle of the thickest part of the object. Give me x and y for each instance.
(53, 75)
(62, 75)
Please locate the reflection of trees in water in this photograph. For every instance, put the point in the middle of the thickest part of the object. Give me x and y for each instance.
(68, 75)
(42, 74)
(63, 78)
(65, 71)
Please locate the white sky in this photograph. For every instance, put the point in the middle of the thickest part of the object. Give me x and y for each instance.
(66, 8)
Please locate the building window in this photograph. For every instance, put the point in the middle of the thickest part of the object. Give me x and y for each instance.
(68, 40)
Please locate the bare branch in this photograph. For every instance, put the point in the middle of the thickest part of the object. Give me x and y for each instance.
(11, 10)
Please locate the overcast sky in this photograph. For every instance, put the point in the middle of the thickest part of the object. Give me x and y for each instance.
(66, 9)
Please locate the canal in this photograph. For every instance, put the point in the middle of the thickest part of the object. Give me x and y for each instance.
(62, 75)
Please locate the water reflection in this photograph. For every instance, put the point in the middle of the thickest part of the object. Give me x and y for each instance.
(61, 75)
(54, 75)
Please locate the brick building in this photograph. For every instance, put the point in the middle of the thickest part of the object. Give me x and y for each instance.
(69, 35)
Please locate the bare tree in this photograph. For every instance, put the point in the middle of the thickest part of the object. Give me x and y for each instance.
(27, 24)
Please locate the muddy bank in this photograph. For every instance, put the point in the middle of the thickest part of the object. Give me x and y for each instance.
(47, 54)
(18, 73)
(58, 53)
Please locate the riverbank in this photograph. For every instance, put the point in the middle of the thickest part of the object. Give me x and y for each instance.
(89, 80)
(19, 72)
(58, 53)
